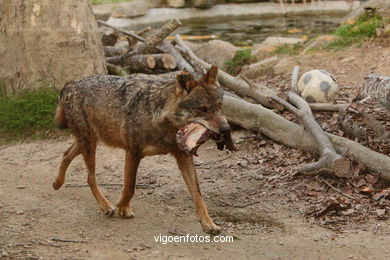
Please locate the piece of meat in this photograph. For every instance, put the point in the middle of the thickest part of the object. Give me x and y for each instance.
(190, 137)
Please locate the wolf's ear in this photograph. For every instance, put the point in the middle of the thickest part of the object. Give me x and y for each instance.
(184, 81)
(211, 75)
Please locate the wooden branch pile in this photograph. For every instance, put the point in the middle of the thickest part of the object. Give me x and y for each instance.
(150, 56)
(334, 151)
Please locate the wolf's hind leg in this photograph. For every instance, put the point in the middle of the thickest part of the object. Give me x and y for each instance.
(69, 155)
(187, 168)
(88, 150)
(131, 167)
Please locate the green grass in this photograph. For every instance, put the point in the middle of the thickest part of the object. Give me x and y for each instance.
(27, 115)
(241, 58)
(356, 33)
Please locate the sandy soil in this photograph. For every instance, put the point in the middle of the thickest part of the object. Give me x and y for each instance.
(32, 213)
(253, 194)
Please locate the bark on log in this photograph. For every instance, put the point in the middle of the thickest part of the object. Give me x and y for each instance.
(368, 122)
(378, 87)
(329, 160)
(141, 63)
(163, 32)
(110, 51)
(258, 118)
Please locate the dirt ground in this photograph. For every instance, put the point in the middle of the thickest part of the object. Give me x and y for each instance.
(254, 194)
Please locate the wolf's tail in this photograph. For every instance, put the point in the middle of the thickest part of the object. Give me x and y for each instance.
(60, 118)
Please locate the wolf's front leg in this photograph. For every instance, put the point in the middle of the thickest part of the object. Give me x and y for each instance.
(131, 167)
(187, 168)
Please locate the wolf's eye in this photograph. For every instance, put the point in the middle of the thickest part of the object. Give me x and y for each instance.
(203, 109)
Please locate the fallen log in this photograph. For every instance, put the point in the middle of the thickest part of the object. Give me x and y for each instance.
(378, 88)
(111, 51)
(368, 122)
(163, 32)
(329, 161)
(260, 119)
(165, 61)
(151, 63)
(141, 64)
(243, 87)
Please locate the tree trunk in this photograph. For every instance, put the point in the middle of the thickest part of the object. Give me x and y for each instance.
(45, 42)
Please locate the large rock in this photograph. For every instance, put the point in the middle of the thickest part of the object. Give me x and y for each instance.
(382, 7)
(216, 52)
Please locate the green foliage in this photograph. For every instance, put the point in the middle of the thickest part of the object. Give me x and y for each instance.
(241, 58)
(28, 114)
(356, 33)
(287, 49)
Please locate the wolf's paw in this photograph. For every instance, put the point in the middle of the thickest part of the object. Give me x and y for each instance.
(211, 228)
(57, 185)
(125, 212)
(109, 211)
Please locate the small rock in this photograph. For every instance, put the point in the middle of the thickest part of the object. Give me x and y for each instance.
(278, 41)
(254, 70)
(132, 9)
(21, 187)
(19, 212)
(319, 42)
(348, 59)
(4, 254)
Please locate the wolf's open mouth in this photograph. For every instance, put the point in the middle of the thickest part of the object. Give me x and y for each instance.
(193, 135)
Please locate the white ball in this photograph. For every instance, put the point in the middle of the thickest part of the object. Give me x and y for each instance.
(317, 86)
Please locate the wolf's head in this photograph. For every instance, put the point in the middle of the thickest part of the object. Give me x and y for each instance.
(199, 101)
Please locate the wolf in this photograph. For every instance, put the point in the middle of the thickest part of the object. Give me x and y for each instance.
(142, 115)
